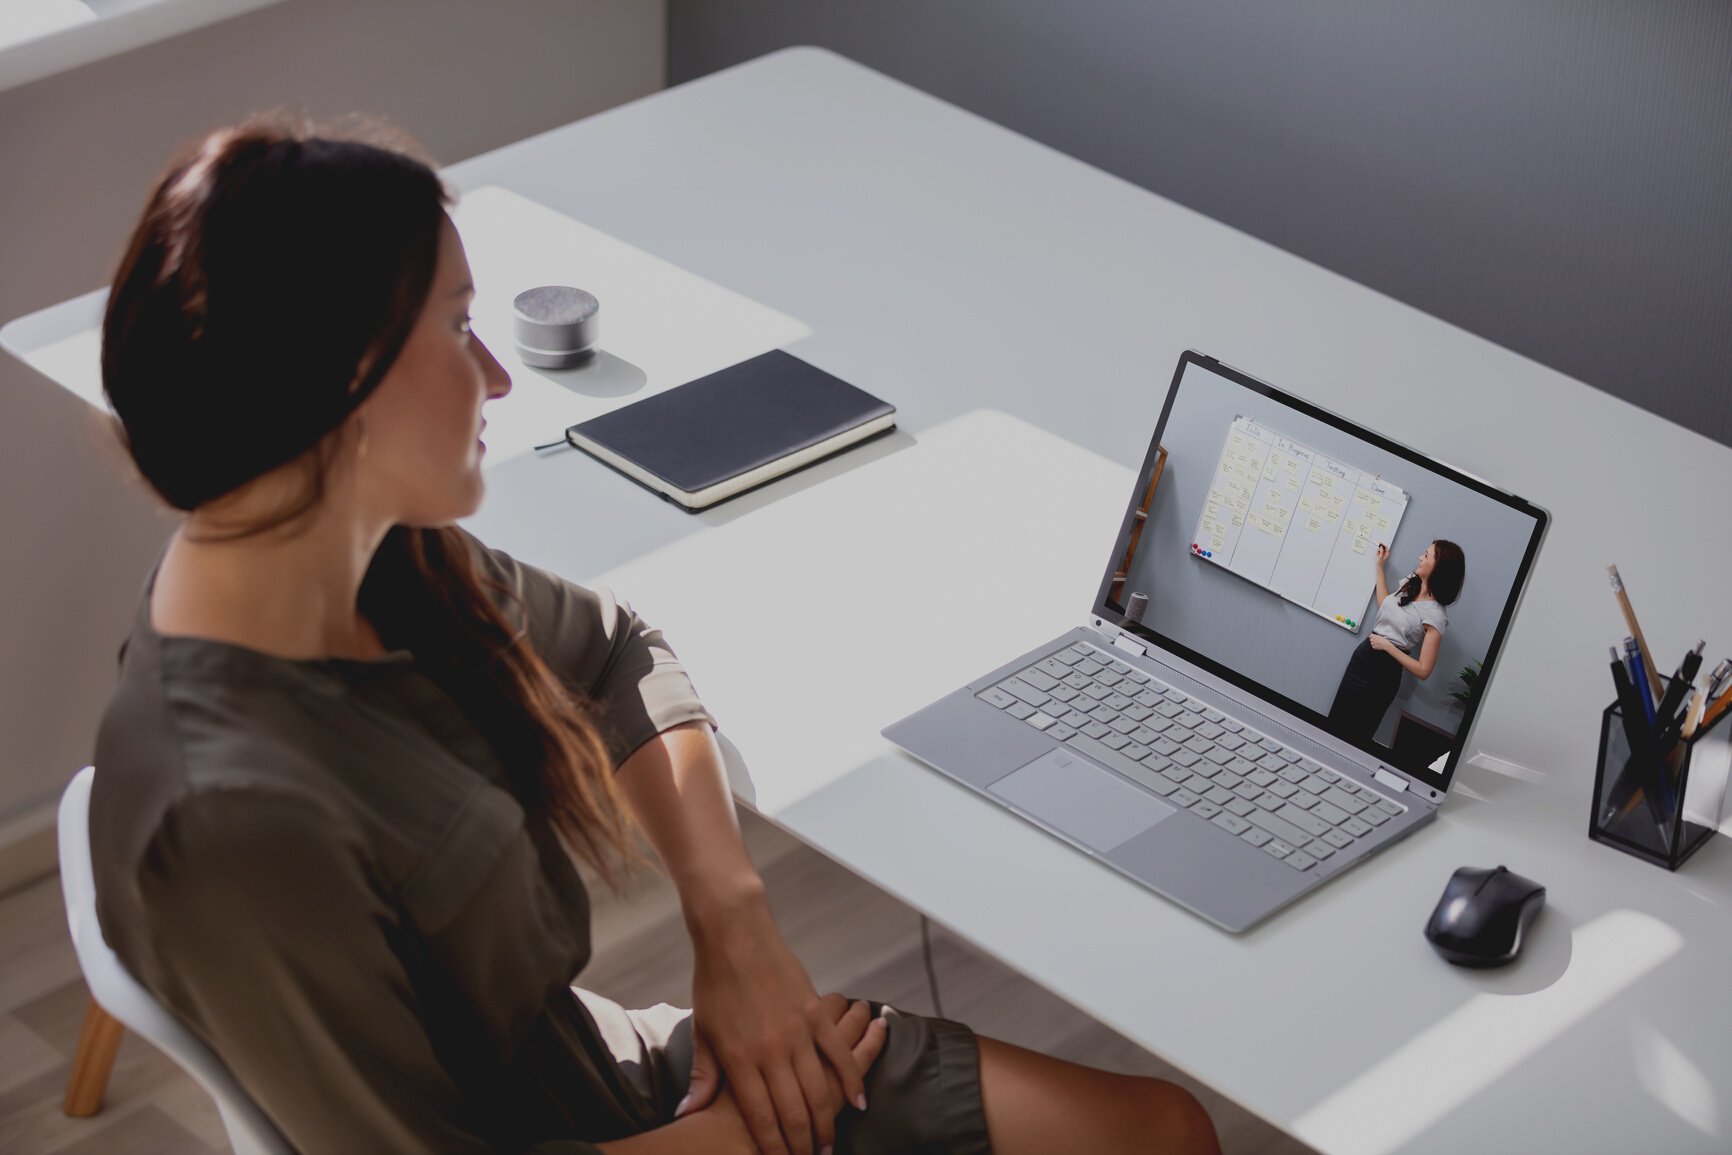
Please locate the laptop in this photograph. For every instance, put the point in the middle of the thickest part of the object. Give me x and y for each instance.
(1221, 727)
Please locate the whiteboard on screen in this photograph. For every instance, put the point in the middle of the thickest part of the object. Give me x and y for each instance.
(1297, 522)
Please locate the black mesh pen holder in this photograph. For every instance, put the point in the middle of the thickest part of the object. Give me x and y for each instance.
(1659, 805)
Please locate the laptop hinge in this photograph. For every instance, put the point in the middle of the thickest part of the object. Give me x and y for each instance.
(1130, 647)
(1390, 779)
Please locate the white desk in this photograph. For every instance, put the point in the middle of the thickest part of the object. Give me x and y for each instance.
(1024, 312)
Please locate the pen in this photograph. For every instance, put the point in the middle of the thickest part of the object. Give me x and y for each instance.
(1652, 676)
(1641, 774)
(1667, 711)
(1640, 675)
(1716, 708)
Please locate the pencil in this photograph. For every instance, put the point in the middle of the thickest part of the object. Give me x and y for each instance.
(1636, 632)
(1716, 708)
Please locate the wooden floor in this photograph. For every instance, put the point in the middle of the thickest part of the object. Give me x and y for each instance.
(852, 937)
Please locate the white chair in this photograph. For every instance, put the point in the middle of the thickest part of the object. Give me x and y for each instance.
(117, 993)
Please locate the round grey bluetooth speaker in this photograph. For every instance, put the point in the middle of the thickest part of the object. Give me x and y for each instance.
(555, 326)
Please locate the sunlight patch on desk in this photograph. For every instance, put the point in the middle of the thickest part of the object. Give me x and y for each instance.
(1445, 1066)
(1680, 1085)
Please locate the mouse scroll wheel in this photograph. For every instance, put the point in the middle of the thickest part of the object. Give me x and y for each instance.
(1489, 877)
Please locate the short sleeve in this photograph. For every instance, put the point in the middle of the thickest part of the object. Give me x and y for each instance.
(275, 947)
(1433, 615)
(602, 650)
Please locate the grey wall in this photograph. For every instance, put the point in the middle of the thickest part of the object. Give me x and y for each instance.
(1288, 648)
(78, 152)
(1553, 175)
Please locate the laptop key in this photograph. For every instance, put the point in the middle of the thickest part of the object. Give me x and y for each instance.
(1313, 784)
(1330, 813)
(1175, 775)
(1255, 836)
(1135, 711)
(1090, 666)
(1229, 741)
(1246, 791)
(1026, 692)
(1280, 827)
(1338, 797)
(1135, 752)
(1069, 657)
(1330, 776)
(1318, 849)
(1039, 678)
(1231, 823)
(1227, 778)
(1210, 730)
(1287, 773)
(1145, 735)
(1238, 806)
(1260, 777)
(1309, 823)
(1076, 681)
(1165, 746)
(1214, 715)
(1337, 839)
(1096, 692)
(1219, 795)
(1041, 720)
(1169, 709)
(1299, 860)
(1081, 648)
(996, 697)
(1060, 731)
(1116, 700)
(1356, 828)
(1292, 755)
(1148, 698)
(1183, 797)
(1074, 719)
(1219, 756)
(1199, 783)
(1275, 848)
(1270, 745)
(1302, 800)
(1174, 695)
(1283, 789)
(1186, 757)
(1374, 816)
(1205, 808)
(1268, 801)
(1096, 730)
(1062, 692)
(1115, 741)
(1019, 710)
(1232, 727)
(1388, 807)
(1122, 724)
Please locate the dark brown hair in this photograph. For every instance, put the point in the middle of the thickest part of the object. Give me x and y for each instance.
(272, 280)
(1448, 572)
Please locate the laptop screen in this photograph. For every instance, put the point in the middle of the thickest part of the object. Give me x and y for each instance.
(1328, 570)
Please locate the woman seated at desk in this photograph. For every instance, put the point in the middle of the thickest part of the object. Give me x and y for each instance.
(1408, 620)
(353, 752)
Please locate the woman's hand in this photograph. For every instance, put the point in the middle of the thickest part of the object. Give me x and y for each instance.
(1382, 554)
(1379, 642)
(779, 1045)
(860, 1032)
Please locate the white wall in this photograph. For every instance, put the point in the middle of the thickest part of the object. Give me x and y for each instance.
(78, 153)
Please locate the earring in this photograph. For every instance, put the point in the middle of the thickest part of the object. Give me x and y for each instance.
(361, 445)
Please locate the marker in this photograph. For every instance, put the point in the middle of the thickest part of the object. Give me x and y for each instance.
(1716, 708)
(1652, 676)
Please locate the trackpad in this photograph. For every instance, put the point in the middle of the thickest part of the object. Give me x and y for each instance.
(1076, 796)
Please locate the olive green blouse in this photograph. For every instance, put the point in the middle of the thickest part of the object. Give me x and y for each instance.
(321, 869)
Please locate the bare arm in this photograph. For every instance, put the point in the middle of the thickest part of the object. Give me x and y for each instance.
(751, 998)
(1382, 582)
(1421, 666)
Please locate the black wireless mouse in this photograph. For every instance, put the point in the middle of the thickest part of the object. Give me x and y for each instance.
(1483, 916)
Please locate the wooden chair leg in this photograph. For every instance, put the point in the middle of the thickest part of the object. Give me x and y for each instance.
(91, 1066)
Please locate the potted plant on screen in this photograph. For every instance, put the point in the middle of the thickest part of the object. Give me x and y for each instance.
(1468, 677)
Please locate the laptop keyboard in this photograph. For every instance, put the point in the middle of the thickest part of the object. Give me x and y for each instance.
(1195, 757)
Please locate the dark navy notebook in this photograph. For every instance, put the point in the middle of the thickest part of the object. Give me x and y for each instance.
(735, 429)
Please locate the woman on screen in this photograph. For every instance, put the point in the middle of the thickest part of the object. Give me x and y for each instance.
(1404, 639)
